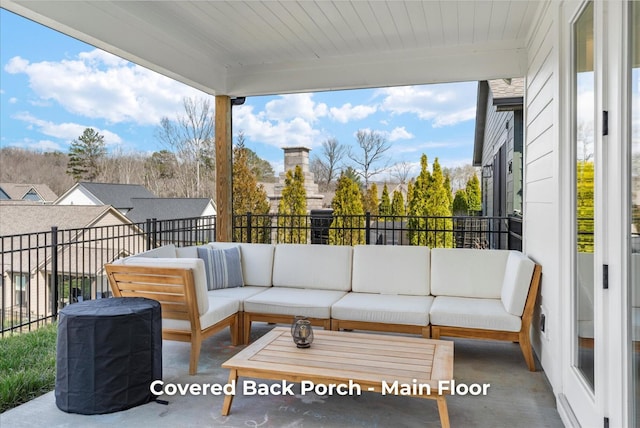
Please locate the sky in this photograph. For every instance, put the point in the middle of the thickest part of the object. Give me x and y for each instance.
(52, 87)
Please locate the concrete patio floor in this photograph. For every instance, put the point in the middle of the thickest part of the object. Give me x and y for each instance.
(516, 397)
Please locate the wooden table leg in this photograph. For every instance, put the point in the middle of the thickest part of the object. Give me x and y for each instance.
(442, 409)
(228, 399)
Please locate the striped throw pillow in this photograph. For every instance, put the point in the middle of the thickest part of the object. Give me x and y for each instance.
(222, 267)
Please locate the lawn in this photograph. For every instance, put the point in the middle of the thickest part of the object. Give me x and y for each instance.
(27, 366)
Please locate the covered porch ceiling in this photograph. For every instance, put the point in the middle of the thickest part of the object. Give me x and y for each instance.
(245, 48)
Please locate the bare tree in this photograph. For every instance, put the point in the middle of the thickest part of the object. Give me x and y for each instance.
(373, 145)
(460, 175)
(191, 137)
(325, 167)
(400, 171)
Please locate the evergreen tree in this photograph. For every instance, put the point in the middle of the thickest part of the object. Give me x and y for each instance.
(584, 205)
(292, 209)
(417, 208)
(460, 204)
(447, 185)
(347, 227)
(370, 200)
(409, 194)
(385, 203)
(353, 175)
(85, 155)
(474, 196)
(397, 204)
(249, 197)
(440, 222)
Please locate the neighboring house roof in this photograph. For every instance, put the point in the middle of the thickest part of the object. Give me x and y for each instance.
(117, 195)
(168, 208)
(19, 219)
(18, 191)
(507, 94)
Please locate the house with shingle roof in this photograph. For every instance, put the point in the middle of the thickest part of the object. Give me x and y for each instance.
(28, 193)
(118, 196)
(498, 145)
(27, 268)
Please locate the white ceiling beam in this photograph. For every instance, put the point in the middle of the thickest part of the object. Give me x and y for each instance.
(424, 66)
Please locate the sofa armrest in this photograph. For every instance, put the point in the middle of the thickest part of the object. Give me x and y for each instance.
(516, 282)
(195, 265)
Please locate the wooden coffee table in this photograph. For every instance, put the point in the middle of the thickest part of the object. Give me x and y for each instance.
(373, 362)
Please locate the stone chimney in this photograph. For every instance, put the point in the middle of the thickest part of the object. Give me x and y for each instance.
(294, 156)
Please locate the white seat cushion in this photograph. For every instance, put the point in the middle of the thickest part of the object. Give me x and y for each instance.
(488, 314)
(237, 293)
(465, 272)
(391, 269)
(293, 301)
(321, 267)
(380, 308)
(219, 309)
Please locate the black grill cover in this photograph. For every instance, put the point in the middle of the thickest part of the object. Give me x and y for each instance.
(108, 353)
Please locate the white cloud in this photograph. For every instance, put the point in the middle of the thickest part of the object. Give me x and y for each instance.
(38, 146)
(444, 105)
(13, 100)
(399, 133)
(99, 85)
(278, 133)
(347, 112)
(293, 106)
(65, 131)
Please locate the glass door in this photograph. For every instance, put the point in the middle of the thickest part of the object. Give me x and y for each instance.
(584, 181)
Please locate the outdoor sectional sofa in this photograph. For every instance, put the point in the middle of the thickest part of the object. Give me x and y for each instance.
(403, 289)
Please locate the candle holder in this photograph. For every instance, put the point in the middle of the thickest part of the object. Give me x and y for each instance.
(302, 332)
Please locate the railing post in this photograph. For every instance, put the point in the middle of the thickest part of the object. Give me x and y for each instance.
(54, 270)
(148, 234)
(249, 227)
(367, 228)
(155, 232)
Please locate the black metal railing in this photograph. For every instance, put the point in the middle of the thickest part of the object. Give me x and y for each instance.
(42, 272)
(322, 227)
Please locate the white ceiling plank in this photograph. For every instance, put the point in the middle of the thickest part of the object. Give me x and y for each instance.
(418, 24)
(466, 17)
(433, 17)
(481, 22)
(449, 13)
(499, 16)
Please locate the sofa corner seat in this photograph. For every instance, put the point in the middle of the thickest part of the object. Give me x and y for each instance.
(493, 297)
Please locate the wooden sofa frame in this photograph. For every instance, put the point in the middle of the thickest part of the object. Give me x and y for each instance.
(522, 336)
(174, 288)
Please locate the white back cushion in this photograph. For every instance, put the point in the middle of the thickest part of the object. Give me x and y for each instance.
(257, 261)
(391, 269)
(325, 267)
(196, 265)
(517, 278)
(187, 252)
(466, 272)
(164, 251)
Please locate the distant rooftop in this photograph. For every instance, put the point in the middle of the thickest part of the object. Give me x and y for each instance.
(27, 192)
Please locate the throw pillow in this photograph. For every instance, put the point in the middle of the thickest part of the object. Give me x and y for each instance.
(222, 267)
